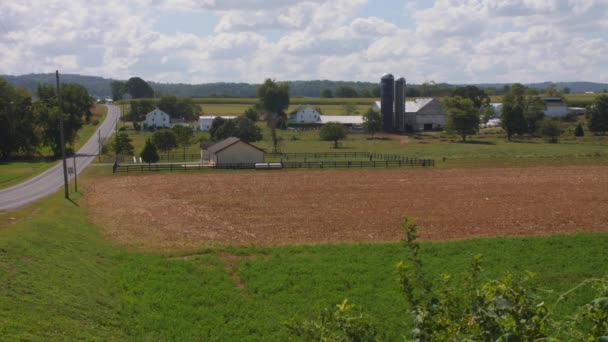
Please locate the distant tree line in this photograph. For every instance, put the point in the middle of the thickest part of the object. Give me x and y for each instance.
(27, 125)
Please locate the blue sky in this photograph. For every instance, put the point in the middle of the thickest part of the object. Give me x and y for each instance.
(197, 41)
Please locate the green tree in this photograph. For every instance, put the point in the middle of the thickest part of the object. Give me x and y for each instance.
(224, 129)
(463, 116)
(118, 89)
(346, 91)
(487, 112)
(149, 154)
(164, 140)
(333, 131)
(18, 131)
(372, 122)
(512, 116)
(139, 109)
(183, 135)
(168, 104)
(246, 130)
(534, 112)
(76, 102)
(550, 129)
(252, 114)
(218, 121)
(598, 115)
(121, 144)
(476, 95)
(274, 100)
(327, 93)
(138, 88)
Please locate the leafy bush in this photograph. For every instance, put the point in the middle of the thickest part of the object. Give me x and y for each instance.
(507, 309)
(579, 131)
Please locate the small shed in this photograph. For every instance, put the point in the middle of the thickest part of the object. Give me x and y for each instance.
(234, 151)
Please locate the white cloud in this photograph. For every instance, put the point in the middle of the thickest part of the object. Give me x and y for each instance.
(451, 40)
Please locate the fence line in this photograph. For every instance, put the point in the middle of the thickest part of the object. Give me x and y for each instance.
(361, 164)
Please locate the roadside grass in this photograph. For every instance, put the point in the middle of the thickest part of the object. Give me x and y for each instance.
(13, 173)
(84, 134)
(62, 280)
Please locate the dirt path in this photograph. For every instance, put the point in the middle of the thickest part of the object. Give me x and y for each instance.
(268, 208)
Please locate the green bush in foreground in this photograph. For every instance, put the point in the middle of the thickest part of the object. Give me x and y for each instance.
(507, 309)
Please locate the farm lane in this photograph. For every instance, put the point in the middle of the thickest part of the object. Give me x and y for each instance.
(51, 180)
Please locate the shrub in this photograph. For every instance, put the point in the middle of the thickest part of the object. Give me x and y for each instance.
(95, 122)
(551, 130)
(579, 131)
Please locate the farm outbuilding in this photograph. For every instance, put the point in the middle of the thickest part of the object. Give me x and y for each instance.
(234, 151)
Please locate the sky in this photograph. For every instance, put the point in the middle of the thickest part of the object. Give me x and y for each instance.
(202, 41)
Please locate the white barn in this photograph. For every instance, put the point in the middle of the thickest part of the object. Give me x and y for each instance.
(157, 119)
(234, 151)
(422, 114)
(555, 107)
(205, 122)
(305, 114)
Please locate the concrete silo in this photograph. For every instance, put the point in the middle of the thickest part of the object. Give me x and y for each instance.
(387, 102)
(400, 104)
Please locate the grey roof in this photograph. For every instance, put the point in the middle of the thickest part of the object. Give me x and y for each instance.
(224, 144)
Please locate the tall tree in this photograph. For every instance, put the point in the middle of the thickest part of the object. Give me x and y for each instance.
(17, 121)
(75, 100)
(246, 130)
(476, 95)
(598, 115)
(327, 93)
(534, 112)
(118, 89)
(121, 144)
(463, 116)
(372, 122)
(333, 131)
(164, 140)
(512, 116)
(274, 100)
(138, 88)
(183, 135)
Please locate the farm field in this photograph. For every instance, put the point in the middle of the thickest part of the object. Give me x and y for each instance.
(62, 280)
(238, 109)
(270, 208)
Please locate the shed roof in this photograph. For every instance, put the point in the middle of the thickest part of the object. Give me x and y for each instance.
(413, 106)
(224, 144)
(343, 119)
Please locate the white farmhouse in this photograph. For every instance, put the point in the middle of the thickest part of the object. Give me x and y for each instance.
(555, 107)
(157, 119)
(422, 114)
(305, 114)
(205, 122)
(234, 151)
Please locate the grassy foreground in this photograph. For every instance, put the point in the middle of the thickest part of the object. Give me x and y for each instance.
(61, 280)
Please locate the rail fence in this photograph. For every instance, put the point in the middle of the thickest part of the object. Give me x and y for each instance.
(360, 164)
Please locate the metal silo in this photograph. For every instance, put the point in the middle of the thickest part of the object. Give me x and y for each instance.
(400, 104)
(387, 102)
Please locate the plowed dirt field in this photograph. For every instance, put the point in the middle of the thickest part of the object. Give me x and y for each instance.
(297, 207)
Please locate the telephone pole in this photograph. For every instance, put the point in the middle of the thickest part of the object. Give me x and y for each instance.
(62, 138)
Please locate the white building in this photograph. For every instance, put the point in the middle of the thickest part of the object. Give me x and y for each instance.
(555, 107)
(205, 122)
(233, 151)
(422, 114)
(305, 114)
(157, 119)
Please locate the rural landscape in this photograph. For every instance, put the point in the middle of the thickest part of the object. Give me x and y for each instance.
(148, 205)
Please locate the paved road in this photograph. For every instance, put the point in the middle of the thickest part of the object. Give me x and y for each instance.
(51, 180)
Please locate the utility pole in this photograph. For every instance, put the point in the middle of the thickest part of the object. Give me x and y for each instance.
(62, 138)
(99, 145)
(75, 173)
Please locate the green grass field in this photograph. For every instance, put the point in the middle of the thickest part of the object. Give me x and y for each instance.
(238, 109)
(61, 280)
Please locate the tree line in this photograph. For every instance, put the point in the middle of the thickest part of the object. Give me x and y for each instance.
(28, 124)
